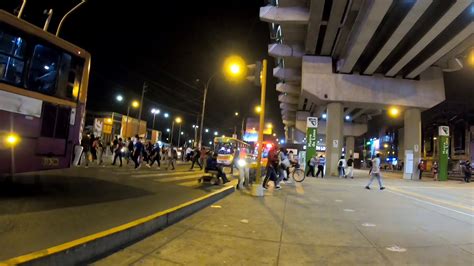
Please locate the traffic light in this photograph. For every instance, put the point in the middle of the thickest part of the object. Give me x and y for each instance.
(255, 73)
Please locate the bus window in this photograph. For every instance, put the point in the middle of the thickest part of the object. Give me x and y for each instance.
(44, 70)
(11, 58)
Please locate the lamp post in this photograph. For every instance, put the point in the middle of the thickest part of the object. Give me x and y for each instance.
(262, 121)
(154, 112)
(134, 104)
(177, 120)
(66, 15)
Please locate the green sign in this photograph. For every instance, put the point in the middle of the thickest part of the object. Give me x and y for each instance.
(443, 155)
(311, 137)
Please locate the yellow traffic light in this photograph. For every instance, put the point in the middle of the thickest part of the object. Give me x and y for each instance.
(135, 104)
(235, 68)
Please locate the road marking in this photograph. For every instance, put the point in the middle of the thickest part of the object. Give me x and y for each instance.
(368, 225)
(178, 178)
(338, 200)
(431, 199)
(164, 174)
(349, 210)
(430, 203)
(396, 249)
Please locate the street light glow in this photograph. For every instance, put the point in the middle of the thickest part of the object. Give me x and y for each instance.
(325, 116)
(216, 133)
(236, 114)
(348, 117)
(235, 67)
(393, 111)
(270, 125)
(119, 98)
(12, 139)
(135, 104)
(178, 120)
(258, 109)
(155, 111)
(166, 115)
(182, 133)
(207, 130)
(167, 130)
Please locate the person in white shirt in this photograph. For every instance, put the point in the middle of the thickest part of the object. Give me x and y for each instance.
(341, 167)
(375, 172)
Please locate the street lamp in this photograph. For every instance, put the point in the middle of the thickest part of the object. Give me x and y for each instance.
(178, 120)
(216, 133)
(393, 111)
(234, 68)
(119, 98)
(236, 113)
(133, 104)
(154, 112)
(66, 15)
(258, 109)
(207, 130)
(166, 115)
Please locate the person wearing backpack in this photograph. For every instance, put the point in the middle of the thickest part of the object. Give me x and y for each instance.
(321, 163)
(350, 167)
(341, 165)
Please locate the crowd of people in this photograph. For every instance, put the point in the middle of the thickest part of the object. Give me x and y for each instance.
(277, 170)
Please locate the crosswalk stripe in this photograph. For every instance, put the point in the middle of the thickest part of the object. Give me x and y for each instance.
(178, 178)
(157, 174)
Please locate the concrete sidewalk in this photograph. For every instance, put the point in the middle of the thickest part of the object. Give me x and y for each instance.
(321, 222)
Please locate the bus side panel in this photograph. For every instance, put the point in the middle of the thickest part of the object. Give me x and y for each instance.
(34, 152)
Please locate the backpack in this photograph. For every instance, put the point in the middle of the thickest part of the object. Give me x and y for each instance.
(340, 163)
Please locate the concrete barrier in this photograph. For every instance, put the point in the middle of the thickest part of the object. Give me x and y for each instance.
(90, 248)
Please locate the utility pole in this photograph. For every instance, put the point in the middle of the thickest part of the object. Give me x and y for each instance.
(262, 122)
(141, 106)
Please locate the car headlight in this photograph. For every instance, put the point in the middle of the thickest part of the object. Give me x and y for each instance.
(241, 163)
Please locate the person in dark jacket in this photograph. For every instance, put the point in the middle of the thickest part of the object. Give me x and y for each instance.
(118, 151)
(196, 154)
(214, 166)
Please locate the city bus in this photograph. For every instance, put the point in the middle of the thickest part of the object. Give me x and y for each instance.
(43, 91)
(229, 150)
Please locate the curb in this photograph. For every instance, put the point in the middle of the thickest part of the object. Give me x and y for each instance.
(89, 248)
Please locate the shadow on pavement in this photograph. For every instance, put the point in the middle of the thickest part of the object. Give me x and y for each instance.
(52, 192)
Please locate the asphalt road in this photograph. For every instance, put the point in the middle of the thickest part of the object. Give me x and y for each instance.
(68, 204)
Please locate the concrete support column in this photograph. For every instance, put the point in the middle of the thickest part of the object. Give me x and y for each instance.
(334, 136)
(350, 143)
(412, 142)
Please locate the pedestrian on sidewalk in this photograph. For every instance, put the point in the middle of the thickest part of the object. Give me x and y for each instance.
(341, 166)
(421, 168)
(100, 151)
(350, 167)
(375, 172)
(467, 171)
(137, 152)
(321, 163)
(118, 151)
(283, 165)
(311, 165)
(172, 156)
(85, 143)
(155, 156)
(435, 171)
(129, 150)
(272, 165)
(196, 154)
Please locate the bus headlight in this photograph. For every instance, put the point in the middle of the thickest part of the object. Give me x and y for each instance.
(11, 139)
(241, 163)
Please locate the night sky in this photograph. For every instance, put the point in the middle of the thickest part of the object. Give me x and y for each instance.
(169, 44)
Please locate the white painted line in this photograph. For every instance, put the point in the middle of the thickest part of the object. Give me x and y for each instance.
(368, 225)
(349, 210)
(429, 203)
(396, 249)
(338, 200)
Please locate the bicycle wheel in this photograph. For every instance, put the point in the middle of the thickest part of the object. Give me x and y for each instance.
(298, 175)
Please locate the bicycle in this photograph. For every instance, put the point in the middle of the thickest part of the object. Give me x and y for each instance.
(296, 172)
